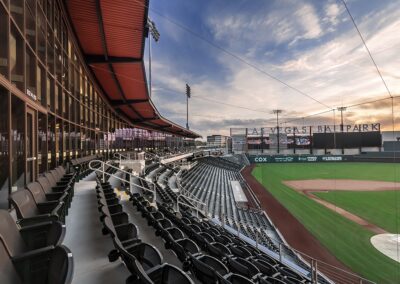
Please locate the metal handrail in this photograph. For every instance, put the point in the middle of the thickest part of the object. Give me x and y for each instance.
(183, 191)
(103, 171)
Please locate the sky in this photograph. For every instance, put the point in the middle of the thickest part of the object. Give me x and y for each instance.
(245, 58)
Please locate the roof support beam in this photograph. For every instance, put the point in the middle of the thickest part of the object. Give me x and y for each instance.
(145, 119)
(93, 59)
(118, 103)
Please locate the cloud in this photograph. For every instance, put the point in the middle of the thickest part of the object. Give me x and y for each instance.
(334, 68)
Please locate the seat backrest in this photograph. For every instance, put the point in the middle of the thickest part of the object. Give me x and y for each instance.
(165, 223)
(243, 266)
(8, 274)
(140, 273)
(238, 279)
(56, 175)
(51, 179)
(189, 245)
(44, 182)
(216, 264)
(24, 204)
(37, 192)
(172, 274)
(203, 271)
(61, 171)
(146, 254)
(10, 235)
(264, 267)
(175, 233)
(110, 226)
(60, 269)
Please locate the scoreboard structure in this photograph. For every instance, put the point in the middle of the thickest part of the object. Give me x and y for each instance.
(317, 139)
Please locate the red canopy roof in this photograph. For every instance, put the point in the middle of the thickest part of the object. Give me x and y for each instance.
(111, 34)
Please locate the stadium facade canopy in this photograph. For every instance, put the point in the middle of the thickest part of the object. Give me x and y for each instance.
(73, 84)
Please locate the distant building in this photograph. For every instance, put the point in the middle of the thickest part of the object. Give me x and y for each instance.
(218, 141)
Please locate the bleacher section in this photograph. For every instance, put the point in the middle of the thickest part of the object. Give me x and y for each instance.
(240, 159)
(210, 181)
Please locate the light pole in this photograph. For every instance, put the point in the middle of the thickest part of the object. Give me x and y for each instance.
(188, 91)
(342, 109)
(277, 112)
(156, 36)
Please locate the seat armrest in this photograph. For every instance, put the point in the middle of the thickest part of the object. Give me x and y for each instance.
(36, 219)
(56, 195)
(31, 254)
(43, 234)
(47, 207)
(61, 187)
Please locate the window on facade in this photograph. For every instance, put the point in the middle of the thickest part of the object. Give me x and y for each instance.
(30, 29)
(31, 80)
(72, 135)
(59, 141)
(66, 140)
(49, 12)
(18, 142)
(17, 59)
(49, 92)
(42, 142)
(41, 31)
(66, 106)
(55, 99)
(3, 42)
(51, 142)
(50, 50)
(41, 85)
(4, 149)
(17, 12)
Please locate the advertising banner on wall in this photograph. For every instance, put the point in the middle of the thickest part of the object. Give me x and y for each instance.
(298, 159)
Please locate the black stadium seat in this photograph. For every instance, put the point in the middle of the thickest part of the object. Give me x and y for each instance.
(31, 268)
(29, 212)
(21, 240)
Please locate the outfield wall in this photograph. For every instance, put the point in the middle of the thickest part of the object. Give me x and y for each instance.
(384, 157)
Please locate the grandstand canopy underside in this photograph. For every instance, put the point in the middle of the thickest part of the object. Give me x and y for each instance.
(111, 34)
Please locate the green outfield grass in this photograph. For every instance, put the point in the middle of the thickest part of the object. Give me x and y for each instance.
(348, 241)
(380, 208)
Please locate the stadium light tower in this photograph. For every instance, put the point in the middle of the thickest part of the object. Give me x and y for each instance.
(156, 36)
(188, 94)
(341, 109)
(277, 112)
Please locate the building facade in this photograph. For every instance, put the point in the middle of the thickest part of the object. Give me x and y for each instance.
(217, 141)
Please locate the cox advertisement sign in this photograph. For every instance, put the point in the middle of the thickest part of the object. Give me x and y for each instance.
(297, 159)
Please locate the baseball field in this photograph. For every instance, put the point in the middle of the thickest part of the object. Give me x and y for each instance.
(342, 205)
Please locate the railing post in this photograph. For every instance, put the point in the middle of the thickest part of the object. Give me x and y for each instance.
(104, 179)
(314, 269)
(280, 252)
(256, 239)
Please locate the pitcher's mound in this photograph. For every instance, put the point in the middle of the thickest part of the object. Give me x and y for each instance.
(387, 244)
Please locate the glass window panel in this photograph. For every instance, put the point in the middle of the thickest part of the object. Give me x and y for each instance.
(31, 81)
(41, 30)
(42, 143)
(51, 142)
(17, 12)
(50, 51)
(4, 149)
(30, 30)
(17, 59)
(18, 142)
(3, 42)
